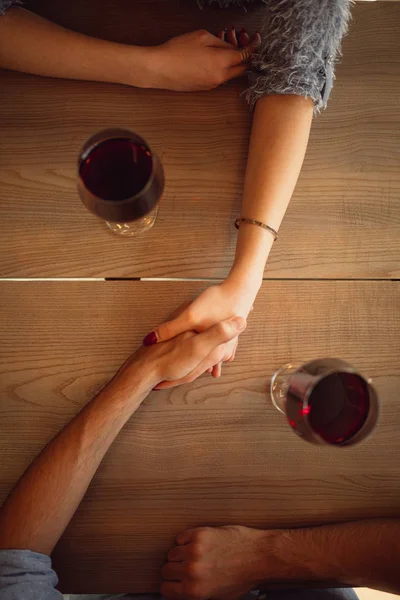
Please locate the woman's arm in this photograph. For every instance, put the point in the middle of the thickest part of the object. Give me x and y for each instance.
(32, 44)
(278, 143)
(291, 76)
(292, 73)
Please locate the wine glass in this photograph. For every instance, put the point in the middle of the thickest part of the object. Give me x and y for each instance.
(326, 401)
(120, 180)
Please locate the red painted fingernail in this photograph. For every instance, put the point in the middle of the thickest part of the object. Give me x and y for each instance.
(150, 339)
(243, 31)
(233, 28)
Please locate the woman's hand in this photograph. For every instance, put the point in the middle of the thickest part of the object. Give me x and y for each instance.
(217, 303)
(184, 358)
(239, 39)
(195, 61)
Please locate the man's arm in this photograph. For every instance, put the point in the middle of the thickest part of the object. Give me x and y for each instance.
(229, 561)
(361, 554)
(46, 497)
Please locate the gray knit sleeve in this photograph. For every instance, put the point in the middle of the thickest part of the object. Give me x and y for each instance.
(6, 4)
(301, 42)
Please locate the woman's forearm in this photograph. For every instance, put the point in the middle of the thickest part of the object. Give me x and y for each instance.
(278, 143)
(32, 44)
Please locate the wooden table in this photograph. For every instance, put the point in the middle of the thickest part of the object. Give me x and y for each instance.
(344, 219)
(215, 452)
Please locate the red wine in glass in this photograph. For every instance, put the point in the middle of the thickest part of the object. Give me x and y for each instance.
(120, 180)
(326, 401)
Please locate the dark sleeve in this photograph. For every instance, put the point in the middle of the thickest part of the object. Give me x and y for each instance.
(26, 575)
(6, 4)
(301, 43)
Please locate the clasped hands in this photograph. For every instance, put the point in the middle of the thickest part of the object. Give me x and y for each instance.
(198, 338)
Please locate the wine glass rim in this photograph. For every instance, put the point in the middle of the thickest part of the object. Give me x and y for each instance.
(373, 411)
(105, 135)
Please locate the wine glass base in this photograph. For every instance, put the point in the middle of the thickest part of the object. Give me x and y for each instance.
(133, 228)
(280, 384)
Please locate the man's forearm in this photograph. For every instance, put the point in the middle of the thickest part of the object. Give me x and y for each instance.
(278, 143)
(32, 44)
(41, 505)
(363, 554)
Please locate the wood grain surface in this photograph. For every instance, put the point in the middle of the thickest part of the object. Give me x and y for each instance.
(344, 219)
(214, 452)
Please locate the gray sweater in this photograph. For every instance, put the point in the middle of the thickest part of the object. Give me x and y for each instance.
(301, 43)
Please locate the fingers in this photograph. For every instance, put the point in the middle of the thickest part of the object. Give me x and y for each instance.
(218, 334)
(218, 41)
(231, 37)
(239, 39)
(237, 67)
(195, 374)
(168, 330)
(184, 537)
(232, 356)
(211, 363)
(255, 40)
(179, 553)
(244, 39)
(217, 370)
(179, 310)
(239, 58)
(221, 35)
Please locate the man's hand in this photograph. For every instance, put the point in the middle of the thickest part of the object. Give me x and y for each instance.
(185, 357)
(217, 303)
(195, 61)
(213, 563)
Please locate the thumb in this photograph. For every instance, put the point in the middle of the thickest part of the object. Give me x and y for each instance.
(168, 330)
(219, 334)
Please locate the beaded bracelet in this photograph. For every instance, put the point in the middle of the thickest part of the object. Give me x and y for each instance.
(258, 223)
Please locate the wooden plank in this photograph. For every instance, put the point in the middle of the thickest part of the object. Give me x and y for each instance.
(215, 452)
(344, 220)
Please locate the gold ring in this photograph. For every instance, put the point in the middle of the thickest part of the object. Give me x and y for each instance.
(245, 54)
